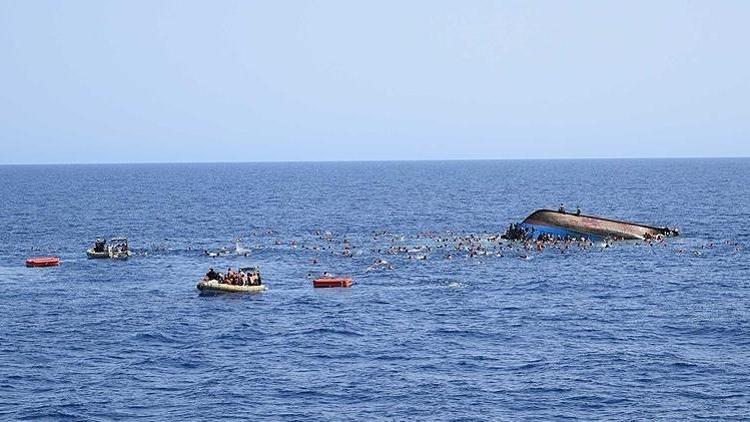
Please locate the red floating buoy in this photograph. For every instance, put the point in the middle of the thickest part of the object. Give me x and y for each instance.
(332, 282)
(43, 261)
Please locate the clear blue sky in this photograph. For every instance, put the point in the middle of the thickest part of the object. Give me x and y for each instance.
(155, 81)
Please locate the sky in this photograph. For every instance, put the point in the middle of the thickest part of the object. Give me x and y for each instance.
(208, 81)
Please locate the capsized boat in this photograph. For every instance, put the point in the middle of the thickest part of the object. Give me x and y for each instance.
(246, 280)
(567, 225)
(117, 249)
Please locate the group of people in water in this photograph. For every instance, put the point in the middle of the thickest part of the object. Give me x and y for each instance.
(241, 277)
(451, 245)
(517, 242)
(517, 232)
(384, 250)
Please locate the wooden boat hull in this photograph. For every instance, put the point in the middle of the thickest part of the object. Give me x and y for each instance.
(556, 223)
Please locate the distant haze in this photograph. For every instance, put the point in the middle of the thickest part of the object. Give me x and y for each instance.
(173, 81)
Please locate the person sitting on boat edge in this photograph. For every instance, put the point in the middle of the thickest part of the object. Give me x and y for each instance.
(212, 275)
(578, 211)
(561, 210)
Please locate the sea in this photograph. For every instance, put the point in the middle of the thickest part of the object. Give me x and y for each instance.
(445, 321)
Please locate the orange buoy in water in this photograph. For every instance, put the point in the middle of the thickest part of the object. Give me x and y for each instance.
(43, 261)
(332, 282)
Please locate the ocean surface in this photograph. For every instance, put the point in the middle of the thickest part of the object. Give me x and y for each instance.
(632, 331)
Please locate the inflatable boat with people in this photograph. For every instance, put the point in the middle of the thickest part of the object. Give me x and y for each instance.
(245, 280)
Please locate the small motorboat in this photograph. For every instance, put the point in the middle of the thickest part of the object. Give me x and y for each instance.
(327, 282)
(246, 280)
(43, 261)
(117, 249)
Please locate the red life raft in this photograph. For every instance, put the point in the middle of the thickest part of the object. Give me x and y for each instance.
(332, 282)
(43, 261)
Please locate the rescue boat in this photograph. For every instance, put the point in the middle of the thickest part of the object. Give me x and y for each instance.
(43, 261)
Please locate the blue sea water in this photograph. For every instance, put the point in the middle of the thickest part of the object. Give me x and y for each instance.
(629, 332)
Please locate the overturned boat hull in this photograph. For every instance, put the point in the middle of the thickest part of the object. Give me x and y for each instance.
(561, 224)
(214, 286)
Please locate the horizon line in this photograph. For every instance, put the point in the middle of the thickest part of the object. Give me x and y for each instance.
(722, 157)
